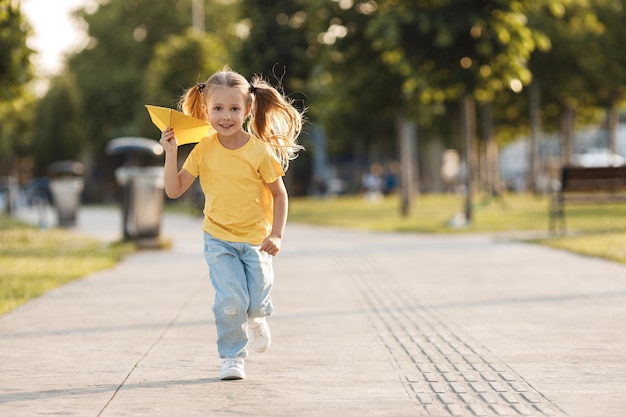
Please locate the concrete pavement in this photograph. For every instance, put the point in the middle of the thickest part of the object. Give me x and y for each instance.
(366, 324)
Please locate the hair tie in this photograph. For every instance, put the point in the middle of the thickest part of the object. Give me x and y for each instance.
(252, 89)
(201, 87)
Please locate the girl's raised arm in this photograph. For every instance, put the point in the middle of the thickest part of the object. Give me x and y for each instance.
(176, 182)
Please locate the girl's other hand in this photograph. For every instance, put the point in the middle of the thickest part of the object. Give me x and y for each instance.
(271, 245)
(168, 140)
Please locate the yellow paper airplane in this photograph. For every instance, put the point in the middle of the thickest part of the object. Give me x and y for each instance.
(187, 129)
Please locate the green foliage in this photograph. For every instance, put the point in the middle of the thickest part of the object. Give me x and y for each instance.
(604, 60)
(572, 27)
(17, 125)
(572, 64)
(276, 43)
(15, 67)
(445, 48)
(57, 133)
(181, 61)
(378, 60)
(178, 63)
(110, 73)
(357, 98)
(15, 73)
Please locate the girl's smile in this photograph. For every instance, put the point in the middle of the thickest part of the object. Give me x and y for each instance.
(227, 114)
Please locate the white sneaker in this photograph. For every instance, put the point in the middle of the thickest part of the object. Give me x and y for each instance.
(260, 335)
(232, 368)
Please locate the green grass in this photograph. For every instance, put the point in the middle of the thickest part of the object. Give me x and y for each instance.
(34, 261)
(611, 246)
(592, 229)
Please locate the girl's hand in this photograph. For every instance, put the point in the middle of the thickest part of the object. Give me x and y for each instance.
(271, 245)
(168, 141)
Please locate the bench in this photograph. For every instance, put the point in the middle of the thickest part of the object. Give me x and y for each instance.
(585, 185)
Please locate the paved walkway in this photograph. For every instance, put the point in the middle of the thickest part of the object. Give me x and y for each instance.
(366, 324)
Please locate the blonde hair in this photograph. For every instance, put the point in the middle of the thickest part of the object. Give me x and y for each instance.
(274, 119)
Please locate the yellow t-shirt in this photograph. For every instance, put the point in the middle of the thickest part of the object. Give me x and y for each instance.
(238, 204)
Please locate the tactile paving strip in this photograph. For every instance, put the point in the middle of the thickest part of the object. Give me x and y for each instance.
(441, 367)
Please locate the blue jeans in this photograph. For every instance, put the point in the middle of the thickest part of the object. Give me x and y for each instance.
(242, 277)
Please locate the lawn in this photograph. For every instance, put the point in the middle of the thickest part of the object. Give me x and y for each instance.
(592, 229)
(33, 261)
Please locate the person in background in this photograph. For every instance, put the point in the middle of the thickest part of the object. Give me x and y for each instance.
(372, 182)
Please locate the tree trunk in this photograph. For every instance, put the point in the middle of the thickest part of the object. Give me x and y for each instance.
(319, 159)
(567, 133)
(407, 135)
(534, 97)
(468, 115)
(492, 157)
(612, 116)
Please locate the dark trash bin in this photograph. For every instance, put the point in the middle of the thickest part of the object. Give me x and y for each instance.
(66, 182)
(142, 187)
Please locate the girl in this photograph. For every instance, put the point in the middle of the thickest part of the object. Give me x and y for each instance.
(245, 207)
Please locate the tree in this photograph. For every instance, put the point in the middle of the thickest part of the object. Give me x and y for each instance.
(356, 95)
(451, 51)
(274, 43)
(607, 69)
(57, 134)
(15, 67)
(445, 49)
(15, 75)
(559, 73)
(110, 72)
(327, 57)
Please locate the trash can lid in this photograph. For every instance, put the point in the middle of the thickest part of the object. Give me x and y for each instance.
(66, 167)
(128, 145)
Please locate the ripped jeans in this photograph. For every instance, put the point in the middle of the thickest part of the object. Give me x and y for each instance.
(242, 277)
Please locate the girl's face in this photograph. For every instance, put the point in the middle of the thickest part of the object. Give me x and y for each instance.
(227, 111)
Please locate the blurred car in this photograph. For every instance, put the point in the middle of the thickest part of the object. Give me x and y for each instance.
(596, 157)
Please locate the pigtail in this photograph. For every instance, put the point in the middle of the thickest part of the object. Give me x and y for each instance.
(192, 102)
(275, 120)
